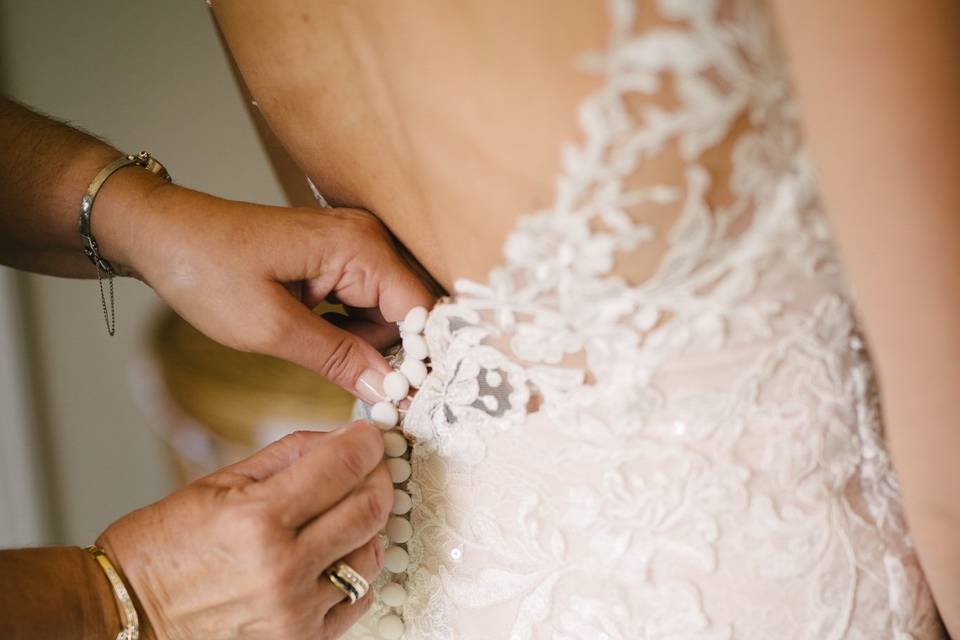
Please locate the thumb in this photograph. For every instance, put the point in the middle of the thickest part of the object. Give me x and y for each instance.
(340, 356)
(401, 291)
(277, 456)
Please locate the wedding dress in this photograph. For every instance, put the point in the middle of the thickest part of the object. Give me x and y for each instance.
(694, 454)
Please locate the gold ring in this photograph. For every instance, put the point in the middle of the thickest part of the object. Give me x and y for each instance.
(346, 578)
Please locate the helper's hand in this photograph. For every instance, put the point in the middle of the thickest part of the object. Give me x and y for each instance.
(241, 553)
(248, 276)
(227, 267)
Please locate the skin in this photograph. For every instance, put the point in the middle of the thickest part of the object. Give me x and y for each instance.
(888, 162)
(260, 534)
(447, 115)
(435, 103)
(239, 554)
(227, 267)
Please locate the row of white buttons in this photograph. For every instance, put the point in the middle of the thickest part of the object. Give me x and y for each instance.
(396, 387)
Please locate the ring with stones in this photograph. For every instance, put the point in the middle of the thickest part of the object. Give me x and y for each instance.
(346, 578)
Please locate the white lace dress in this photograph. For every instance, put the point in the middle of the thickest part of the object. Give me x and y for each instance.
(696, 454)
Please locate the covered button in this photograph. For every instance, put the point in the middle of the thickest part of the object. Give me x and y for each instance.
(414, 347)
(415, 320)
(393, 595)
(396, 386)
(402, 503)
(390, 627)
(396, 559)
(414, 371)
(384, 415)
(399, 530)
(399, 470)
(394, 444)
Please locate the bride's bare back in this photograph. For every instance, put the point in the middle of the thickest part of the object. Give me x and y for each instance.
(444, 119)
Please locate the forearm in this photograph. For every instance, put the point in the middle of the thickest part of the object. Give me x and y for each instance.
(222, 265)
(45, 167)
(880, 93)
(56, 592)
(924, 438)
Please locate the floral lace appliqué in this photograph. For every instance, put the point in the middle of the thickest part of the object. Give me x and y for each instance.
(694, 454)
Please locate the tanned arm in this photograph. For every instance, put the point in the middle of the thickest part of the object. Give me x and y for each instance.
(226, 267)
(46, 167)
(57, 592)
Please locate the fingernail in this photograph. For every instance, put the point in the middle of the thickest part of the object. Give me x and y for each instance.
(345, 429)
(370, 386)
(339, 431)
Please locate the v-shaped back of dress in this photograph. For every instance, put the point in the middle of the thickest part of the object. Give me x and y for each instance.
(604, 450)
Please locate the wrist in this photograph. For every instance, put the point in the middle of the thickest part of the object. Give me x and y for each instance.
(177, 230)
(99, 605)
(122, 565)
(121, 211)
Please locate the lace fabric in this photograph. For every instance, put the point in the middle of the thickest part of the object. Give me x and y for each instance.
(696, 452)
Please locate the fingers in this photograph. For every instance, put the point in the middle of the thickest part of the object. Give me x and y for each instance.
(278, 455)
(379, 335)
(362, 266)
(367, 561)
(296, 289)
(322, 477)
(401, 291)
(310, 341)
(349, 256)
(357, 517)
(367, 313)
(344, 615)
(316, 292)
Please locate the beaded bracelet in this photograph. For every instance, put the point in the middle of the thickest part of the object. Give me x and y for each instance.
(386, 415)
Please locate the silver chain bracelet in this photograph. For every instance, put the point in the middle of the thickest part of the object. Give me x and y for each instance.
(90, 247)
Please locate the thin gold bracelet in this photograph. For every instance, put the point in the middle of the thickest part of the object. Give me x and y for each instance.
(128, 613)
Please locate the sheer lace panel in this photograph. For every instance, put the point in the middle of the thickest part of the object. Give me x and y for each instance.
(693, 132)
(657, 418)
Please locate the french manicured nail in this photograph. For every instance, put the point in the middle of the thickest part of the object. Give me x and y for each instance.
(370, 386)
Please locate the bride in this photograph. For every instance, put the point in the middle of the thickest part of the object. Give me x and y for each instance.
(681, 240)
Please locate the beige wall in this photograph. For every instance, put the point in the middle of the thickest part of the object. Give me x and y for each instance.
(145, 75)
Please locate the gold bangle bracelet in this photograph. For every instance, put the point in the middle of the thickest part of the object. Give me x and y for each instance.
(128, 613)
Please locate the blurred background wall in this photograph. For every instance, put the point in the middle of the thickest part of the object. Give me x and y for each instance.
(143, 75)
